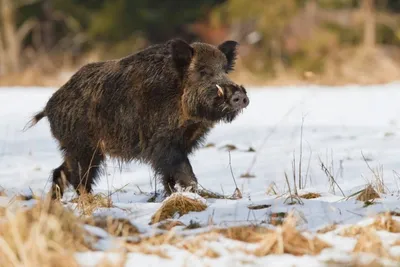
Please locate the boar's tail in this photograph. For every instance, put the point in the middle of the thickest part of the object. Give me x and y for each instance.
(38, 116)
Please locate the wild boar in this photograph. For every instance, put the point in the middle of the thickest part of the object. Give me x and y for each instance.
(155, 106)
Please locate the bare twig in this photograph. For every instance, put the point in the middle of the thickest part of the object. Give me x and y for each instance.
(294, 173)
(378, 175)
(301, 152)
(330, 176)
(308, 167)
(230, 167)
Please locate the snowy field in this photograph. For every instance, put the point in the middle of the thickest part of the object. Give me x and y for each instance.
(353, 131)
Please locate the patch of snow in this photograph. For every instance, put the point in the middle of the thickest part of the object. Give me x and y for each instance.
(341, 125)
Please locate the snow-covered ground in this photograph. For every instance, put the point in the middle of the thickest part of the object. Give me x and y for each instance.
(348, 128)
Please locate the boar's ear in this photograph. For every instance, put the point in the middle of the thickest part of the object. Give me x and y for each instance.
(182, 53)
(229, 48)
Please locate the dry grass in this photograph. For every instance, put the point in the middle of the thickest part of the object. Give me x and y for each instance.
(287, 239)
(310, 195)
(169, 224)
(204, 193)
(370, 242)
(367, 194)
(277, 218)
(382, 222)
(87, 203)
(248, 234)
(197, 245)
(177, 203)
(351, 231)
(258, 207)
(46, 235)
(284, 239)
(149, 250)
(2, 211)
(356, 262)
(387, 223)
(326, 229)
(114, 226)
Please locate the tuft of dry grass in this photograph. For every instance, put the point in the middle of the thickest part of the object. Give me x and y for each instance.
(197, 245)
(310, 195)
(381, 222)
(355, 262)
(114, 226)
(287, 239)
(367, 194)
(169, 224)
(328, 228)
(387, 223)
(284, 239)
(3, 211)
(351, 231)
(370, 242)
(277, 218)
(204, 193)
(87, 203)
(46, 235)
(177, 203)
(248, 234)
(229, 147)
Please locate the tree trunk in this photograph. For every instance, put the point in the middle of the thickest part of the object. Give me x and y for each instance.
(2, 57)
(11, 40)
(47, 25)
(368, 8)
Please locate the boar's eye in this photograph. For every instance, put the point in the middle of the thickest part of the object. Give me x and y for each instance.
(203, 71)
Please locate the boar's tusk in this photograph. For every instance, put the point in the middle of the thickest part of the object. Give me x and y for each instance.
(220, 91)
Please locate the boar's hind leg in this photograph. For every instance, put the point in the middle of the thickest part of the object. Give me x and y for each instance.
(60, 178)
(84, 168)
(175, 169)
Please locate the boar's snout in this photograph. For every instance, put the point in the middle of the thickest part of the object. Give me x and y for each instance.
(239, 100)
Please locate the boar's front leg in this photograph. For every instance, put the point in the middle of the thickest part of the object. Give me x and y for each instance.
(174, 167)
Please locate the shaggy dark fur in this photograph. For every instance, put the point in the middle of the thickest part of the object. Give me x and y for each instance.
(155, 106)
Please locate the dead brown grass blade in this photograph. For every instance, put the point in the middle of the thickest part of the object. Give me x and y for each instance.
(310, 195)
(177, 203)
(258, 207)
(328, 228)
(368, 193)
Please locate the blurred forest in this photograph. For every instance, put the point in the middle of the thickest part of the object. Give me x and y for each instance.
(323, 41)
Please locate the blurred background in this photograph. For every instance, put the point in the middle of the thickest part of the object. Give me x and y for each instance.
(42, 42)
